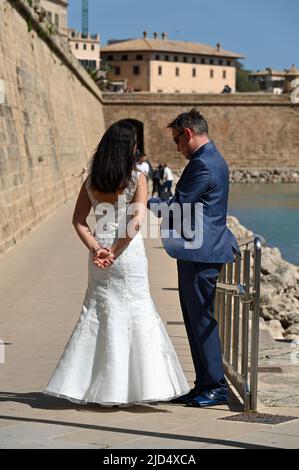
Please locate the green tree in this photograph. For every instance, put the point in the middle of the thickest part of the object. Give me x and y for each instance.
(99, 75)
(243, 83)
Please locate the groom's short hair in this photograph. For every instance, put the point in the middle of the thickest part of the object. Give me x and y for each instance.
(192, 120)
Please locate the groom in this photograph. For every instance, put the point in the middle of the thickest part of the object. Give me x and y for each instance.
(202, 195)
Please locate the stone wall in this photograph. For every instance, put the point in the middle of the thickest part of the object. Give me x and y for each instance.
(50, 121)
(251, 130)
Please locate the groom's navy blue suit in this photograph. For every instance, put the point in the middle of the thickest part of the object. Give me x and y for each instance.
(205, 181)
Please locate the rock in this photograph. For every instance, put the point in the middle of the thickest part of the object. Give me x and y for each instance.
(279, 288)
(276, 329)
(258, 175)
(292, 332)
(281, 272)
(264, 312)
(238, 230)
(289, 318)
(274, 308)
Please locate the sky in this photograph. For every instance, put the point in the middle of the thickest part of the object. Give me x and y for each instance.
(266, 32)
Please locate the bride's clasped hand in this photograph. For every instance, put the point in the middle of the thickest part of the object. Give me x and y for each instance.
(104, 258)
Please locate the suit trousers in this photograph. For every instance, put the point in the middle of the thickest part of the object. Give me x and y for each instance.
(197, 288)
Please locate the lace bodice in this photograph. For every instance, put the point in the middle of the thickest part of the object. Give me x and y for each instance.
(125, 197)
(109, 216)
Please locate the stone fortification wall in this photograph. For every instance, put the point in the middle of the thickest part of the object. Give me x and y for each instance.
(51, 119)
(253, 131)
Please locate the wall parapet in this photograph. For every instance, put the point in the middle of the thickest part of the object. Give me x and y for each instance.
(194, 99)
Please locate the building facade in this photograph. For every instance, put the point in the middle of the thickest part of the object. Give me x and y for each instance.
(86, 48)
(275, 81)
(57, 13)
(161, 65)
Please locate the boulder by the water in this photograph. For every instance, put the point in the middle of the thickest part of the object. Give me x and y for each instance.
(264, 175)
(279, 288)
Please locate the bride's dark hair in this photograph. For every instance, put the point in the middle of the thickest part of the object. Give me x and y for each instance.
(114, 158)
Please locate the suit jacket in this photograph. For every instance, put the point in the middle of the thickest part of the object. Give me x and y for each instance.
(200, 232)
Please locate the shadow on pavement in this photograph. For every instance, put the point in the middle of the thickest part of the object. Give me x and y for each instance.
(46, 402)
(140, 432)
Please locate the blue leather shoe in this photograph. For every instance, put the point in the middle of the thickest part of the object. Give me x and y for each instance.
(188, 396)
(218, 396)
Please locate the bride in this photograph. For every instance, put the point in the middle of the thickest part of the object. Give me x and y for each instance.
(119, 352)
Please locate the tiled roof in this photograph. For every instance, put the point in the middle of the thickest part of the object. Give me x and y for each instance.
(293, 71)
(270, 72)
(164, 45)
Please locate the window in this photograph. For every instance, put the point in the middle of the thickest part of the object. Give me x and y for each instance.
(110, 57)
(177, 72)
(211, 73)
(166, 57)
(211, 61)
(124, 57)
(176, 59)
(136, 70)
(228, 62)
(203, 61)
(88, 64)
(84, 47)
(159, 70)
(92, 47)
(139, 57)
(185, 59)
(57, 20)
(117, 70)
(193, 60)
(49, 15)
(224, 74)
(220, 61)
(193, 72)
(157, 57)
(77, 45)
(73, 34)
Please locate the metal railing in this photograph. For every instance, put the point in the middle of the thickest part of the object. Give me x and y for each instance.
(237, 305)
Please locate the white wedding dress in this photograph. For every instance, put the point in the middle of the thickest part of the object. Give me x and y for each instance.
(119, 352)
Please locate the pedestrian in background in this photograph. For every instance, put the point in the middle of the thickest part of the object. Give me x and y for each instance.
(167, 180)
(141, 163)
